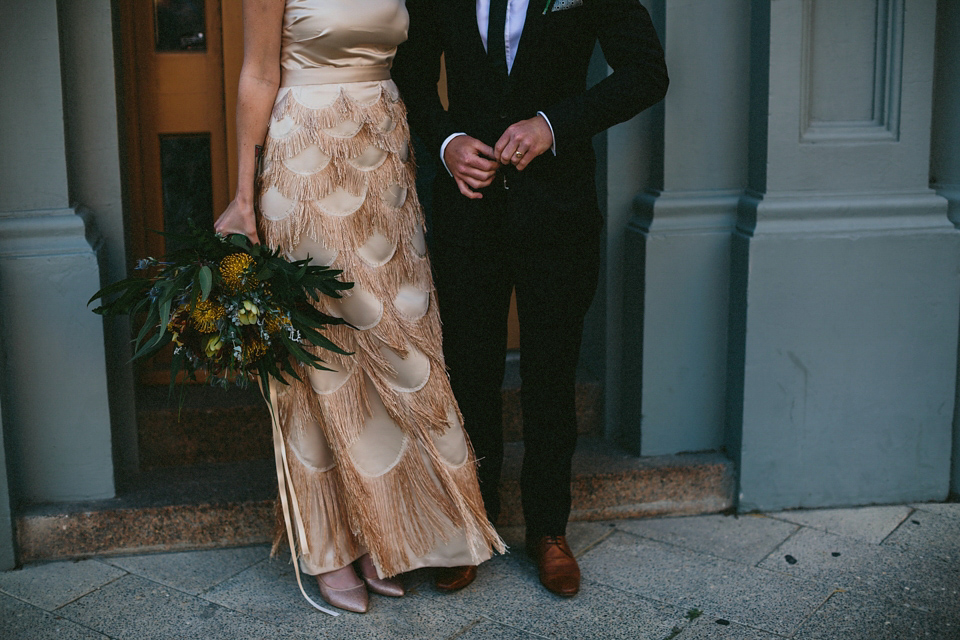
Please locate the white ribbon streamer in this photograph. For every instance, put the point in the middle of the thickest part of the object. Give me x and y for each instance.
(285, 482)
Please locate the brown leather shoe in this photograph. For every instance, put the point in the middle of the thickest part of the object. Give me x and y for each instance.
(559, 571)
(451, 579)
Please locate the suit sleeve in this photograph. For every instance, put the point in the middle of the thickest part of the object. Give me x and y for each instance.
(416, 70)
(639, 79)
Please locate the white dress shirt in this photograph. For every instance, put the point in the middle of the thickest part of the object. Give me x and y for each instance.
(516, 17)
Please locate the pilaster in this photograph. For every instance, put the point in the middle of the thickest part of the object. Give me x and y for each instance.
(55, 417)
(677, 247)
(945, 143)
(94, 172)
(845, 282)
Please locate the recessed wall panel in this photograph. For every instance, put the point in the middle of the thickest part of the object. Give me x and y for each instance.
(851, 70)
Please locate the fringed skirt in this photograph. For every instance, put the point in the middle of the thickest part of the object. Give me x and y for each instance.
(373, 453)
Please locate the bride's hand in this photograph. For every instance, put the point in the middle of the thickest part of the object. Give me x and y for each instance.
(238, 217)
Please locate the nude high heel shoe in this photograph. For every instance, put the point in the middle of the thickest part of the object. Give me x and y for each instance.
(352, 598)
(391, 587)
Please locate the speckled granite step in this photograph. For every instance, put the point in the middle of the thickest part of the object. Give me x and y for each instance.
(232, 504)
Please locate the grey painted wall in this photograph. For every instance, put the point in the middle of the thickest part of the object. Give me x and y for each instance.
(945, 145)
(32, 134)
(678, 242)
(90, 97)
(845, 283)
(55, 417)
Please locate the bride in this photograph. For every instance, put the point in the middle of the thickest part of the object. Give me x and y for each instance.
(374, 466)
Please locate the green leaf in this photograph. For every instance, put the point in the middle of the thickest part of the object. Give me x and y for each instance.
(114, 288)
(265, 273)
(239, 240)
(206, 281)
(165, 314)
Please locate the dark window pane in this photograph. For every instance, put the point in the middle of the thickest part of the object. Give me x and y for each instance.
(181, 25)
(187, 183)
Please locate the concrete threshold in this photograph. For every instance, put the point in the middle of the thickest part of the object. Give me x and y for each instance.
(233, 504)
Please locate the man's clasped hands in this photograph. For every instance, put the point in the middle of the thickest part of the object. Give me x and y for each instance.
(474, 164)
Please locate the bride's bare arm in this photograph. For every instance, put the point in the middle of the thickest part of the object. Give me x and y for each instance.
(259, 81)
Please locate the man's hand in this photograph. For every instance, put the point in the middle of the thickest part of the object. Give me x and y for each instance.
(471, 163)
(523, 141)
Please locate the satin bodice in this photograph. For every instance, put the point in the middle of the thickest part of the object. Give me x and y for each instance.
(342, 33)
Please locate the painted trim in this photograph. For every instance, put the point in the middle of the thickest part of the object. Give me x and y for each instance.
(46, 232)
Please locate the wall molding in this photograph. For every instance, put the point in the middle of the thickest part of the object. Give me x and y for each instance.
(884, 124)
(685, 211)
(26, 234)
(832, 215)
(952, 193)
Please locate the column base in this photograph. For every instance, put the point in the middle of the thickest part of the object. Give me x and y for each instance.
(843, 338)
(677, 264)
(56, 414)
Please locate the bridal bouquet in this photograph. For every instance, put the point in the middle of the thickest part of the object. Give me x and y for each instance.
(235, 310)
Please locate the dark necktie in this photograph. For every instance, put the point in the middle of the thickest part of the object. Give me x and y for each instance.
(496, 35)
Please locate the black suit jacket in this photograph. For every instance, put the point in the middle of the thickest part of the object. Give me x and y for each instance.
(555, 196)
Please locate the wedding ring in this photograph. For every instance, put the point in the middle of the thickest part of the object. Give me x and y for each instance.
(519, 154)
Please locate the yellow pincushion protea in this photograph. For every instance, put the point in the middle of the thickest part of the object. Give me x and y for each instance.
(206, 315)
(275, 323)
(233, 270)
(255, 349)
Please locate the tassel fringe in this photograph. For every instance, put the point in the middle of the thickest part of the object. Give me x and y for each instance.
(422, 501)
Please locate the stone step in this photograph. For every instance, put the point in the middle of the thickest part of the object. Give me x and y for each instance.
(216, 426)
(232, 504)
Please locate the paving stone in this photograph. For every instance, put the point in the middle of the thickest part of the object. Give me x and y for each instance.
(747, 595)
(484, 629)
(580, 536)
(890, 571)
(52, 585)
(930, 533)
(946, 509)
(268, 591)
(134, 607)
(22, 621)
(707, 627)
(507, 591)
(871, 524)
(748, 539)
(854, 617)
(192, 571)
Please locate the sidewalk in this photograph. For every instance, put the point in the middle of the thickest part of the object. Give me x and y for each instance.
(868, 573)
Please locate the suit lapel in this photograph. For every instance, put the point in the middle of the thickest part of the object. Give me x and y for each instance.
(532, 25)
(466, 20)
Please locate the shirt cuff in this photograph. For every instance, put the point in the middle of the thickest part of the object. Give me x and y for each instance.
(443, 148)
(553, 138)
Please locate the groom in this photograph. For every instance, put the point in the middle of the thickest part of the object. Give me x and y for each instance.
(517, 208)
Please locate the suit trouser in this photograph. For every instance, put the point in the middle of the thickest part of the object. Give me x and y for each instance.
(555, 284)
